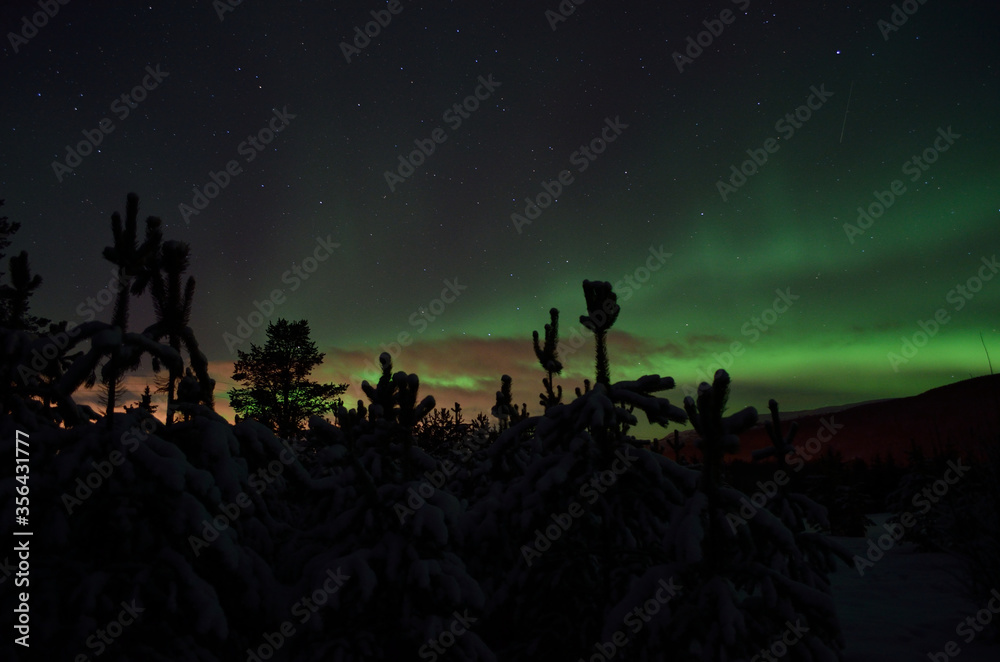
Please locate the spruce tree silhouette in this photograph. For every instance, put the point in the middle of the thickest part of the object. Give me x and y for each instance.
(16, 297)
(676, 445)
(380, 396)
(442, 432)
(136, 264)
(18, 379)
(505, 410)
(781, 445)
(278, 392)
(7, 230)
(802, 516)
(548, 356)
(173, 317)
(145, 403)
(394, 397)
(602, 311)
(394, 406)
(718, 435)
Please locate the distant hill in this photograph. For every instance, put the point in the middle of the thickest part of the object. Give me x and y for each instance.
(964, 414)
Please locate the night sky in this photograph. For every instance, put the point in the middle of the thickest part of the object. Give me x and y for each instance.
(838, 103)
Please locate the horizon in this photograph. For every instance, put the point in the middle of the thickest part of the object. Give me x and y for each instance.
(135, 382)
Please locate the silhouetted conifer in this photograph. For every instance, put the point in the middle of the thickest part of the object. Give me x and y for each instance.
(106, 342)
(781, 445)
(442, 431)
(145, 403)
(548, 356)
(676, 445)
(136, 264)
(602, 311)
(394, 397)
(505, 410)
(717, 436)
(15, 299)
(755, 569)
(395, 410)
(277, 390)
(172, 305)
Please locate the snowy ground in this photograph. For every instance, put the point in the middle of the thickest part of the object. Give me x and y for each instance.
(907, 606)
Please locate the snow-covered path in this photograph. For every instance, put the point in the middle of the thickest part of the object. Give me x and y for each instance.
(907, 606)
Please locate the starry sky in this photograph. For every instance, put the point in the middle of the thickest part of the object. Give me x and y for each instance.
(602, 144)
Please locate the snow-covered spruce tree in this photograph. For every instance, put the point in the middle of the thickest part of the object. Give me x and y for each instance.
(559, 545)
(28, 380)
(172, 305)
(951, 504)
(963, 519)
(755, 577)
(717, 436)
(15, 298)
(168, 526)
(382, 519)
(793, 507)
(442, 431)
(462, 452)
(33, 350)
(842, 487)
(106, 341)
(18, 328)
(976, 527)
(510, 458)
(805, 518)
(578, 527)
(124, 521)
(468, 481)
(136, 263)
(394, 410)
(574, 550)
(931, 517)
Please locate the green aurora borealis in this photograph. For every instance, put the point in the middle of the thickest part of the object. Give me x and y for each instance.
(655, 185)
(856, 305)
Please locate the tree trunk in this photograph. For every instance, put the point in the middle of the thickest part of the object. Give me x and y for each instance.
(175, 343)
(603, 369)
(119, 319)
